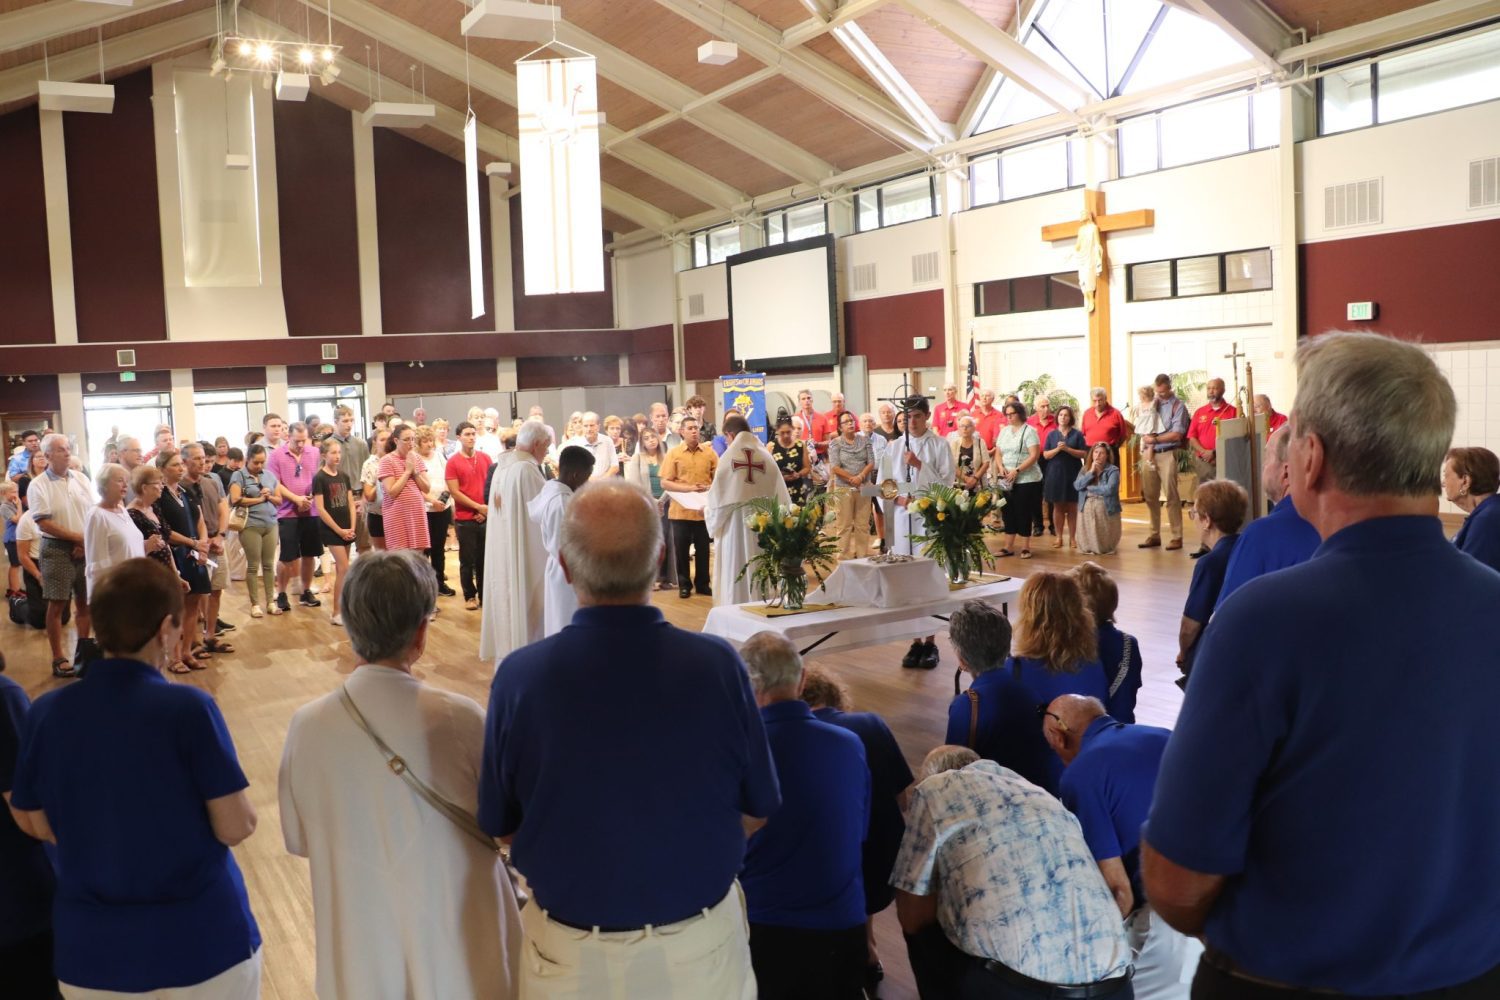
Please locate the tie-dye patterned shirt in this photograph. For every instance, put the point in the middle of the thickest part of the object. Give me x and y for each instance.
(1014, 878)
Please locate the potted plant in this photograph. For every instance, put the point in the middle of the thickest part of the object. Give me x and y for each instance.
(1190, 387)
(1046, 385)
(953, 528)
(791, 539)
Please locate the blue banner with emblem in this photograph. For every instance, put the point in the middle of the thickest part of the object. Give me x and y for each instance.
(746, 392)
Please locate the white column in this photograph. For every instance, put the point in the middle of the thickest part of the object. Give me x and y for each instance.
(70, 406)
(682, 259)
(505, 375)
(624, 374)
(366, 226)
(184, 413)
(276, 394)
(500, 260)
(952, 188)
(374, 387)
(752, 234)
(1295, 115)
(169, 207)
(59, 229)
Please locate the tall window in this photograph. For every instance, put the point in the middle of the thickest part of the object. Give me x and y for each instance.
(905, 199)
(136, 415)
(229, 413)
(1209, 129)
(1022, 171)
(1404, 84)
(796, 222)
(324, 399)
(712, 246)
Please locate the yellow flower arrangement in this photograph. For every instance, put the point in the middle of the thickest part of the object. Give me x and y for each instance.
(952, 531)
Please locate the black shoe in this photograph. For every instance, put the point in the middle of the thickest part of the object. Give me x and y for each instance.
(85, 653)
(706, 592)
(318, 571)
(913, 658)
(447, 591)
(1037, 531)
(221, 626)
(930, 656)
(307, 600)
(684, 592)
(282, 602)
(874, 973)
(1202, 551)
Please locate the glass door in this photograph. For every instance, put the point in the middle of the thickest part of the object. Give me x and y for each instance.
(112, 417)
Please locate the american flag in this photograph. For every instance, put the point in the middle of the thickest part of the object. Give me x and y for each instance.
(972, 382)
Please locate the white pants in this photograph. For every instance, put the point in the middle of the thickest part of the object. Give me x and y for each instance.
(1162, 970)
(706, 957)
(238, 982)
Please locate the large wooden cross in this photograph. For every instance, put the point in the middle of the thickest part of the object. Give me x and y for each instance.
(1093, 211)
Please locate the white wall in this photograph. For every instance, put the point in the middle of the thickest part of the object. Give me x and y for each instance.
(645, 283)
(710, 282)
(1424, 163)
(892, 250)
(1474, 372)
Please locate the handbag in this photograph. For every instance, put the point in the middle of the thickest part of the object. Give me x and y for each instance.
(1124, 669)
(238, 519)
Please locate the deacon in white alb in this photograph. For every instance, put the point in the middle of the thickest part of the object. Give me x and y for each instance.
(746, 471)
(573, 468)
(514, 559)
(916, 461)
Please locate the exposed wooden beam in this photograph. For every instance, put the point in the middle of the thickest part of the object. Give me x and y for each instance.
(1405, 26)
(39, 22)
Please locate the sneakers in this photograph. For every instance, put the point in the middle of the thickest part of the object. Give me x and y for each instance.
(221, 626)
(307, 600)
(447, 591)
(256, 612)
(930, 657)
(913, 658)
(472, 604)
(337, 618)
(282, 604)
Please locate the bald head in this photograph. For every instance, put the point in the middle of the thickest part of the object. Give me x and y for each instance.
(1215, 390)
(1275, 473)
(611, 544)
(1067, 718)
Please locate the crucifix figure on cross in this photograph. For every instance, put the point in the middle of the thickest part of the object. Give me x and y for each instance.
(1233, 357)
(751, 465)
(1088, 232)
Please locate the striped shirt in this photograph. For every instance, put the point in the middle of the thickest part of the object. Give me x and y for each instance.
(405, 514)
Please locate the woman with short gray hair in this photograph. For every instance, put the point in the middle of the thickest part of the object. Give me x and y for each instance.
(409, 897)
(109, 536)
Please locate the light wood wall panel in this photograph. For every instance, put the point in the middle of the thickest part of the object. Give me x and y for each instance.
(803, 118)
(717, 158)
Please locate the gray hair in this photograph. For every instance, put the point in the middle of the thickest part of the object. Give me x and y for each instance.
(101, 481)
(531, 434)
(52, 439)
(886, 408)
(1344, 379)
(945, 758)
(191, 446)
(388, 594)
(588, 415)
(980, 635)
(611, 541)
(120, 443)
(773, 662)
(1098, 391)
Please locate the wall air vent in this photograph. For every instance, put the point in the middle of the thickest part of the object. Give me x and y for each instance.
(1358, 203)
(1484, 183)
(924, 268)
(125, 359)
(330, 352)
(695, 304)
(864, 277)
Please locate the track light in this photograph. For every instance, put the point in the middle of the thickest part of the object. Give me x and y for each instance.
(264, 53)
(328, 55)
(218, 67)
(247, 50)
(305, 56)
(330, 73)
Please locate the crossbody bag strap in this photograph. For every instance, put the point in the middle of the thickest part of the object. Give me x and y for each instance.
(1124, 665)
(461, 819)
(973, 716)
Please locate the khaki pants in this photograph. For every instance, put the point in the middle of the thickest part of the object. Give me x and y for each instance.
(706, 957)
(852, 526)
(1158, 470)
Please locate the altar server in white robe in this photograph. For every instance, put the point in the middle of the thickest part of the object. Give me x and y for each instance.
(514, 560)
(745, 471)
(574, 466)
(916, 461)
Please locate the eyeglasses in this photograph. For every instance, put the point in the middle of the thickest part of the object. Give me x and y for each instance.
(1042, 713)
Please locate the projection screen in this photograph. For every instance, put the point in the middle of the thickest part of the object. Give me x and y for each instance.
(783, 307)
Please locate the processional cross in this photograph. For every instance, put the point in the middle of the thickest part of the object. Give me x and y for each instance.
(1233, 357)
(1088, 231)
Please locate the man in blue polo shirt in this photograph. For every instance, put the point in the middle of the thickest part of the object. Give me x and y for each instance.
(1111, 773)
(26, 879)
(620, 756)
(803, 877)
(1323, 815)
(996, 717)
(1281, 539)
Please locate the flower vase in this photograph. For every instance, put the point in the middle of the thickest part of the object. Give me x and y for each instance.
(793, 584)
(958, 571)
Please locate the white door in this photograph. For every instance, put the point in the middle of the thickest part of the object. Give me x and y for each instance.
(1005, 364)
(1207, 350)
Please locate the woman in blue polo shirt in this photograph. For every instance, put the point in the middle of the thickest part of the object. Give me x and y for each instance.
(136, 781)
(1471, 477)
(1219, 507)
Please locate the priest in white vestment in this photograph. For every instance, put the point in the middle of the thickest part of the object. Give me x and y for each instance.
(406, 902)
(514, 560)
(746, 470)
(916, 461)
(574, 466)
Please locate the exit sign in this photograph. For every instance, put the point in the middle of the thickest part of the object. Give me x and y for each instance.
(1361, 312)
(328, 369)
(127, 376)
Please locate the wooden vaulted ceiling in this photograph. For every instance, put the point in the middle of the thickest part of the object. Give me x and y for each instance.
(800, 104)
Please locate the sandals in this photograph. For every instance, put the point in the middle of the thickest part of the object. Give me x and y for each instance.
(1025, 553)
(217, 645)
(1003, 553)
(1057, 543)
(179, 668)
(63, 667)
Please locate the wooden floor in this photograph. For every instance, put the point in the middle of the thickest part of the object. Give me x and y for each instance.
(282, 663)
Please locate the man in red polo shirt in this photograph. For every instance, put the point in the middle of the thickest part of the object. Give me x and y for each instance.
(1103, 423)
(465, 475)
(945, 415)
(831, 422)
(987, 419)
(814, 424)
(1263, 408)
(1042, 419)
(1203, 436)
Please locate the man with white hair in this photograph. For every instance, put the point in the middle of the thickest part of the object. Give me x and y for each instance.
(803, 875)
(1109, 776)
(945, 415)
(1281, 539)
(620, 757)
(1318, 818)
(514, 560)
(539, 415)
(746, 472)
(606, 460)
(997, 893)
(1104, 424)
(59, 500)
